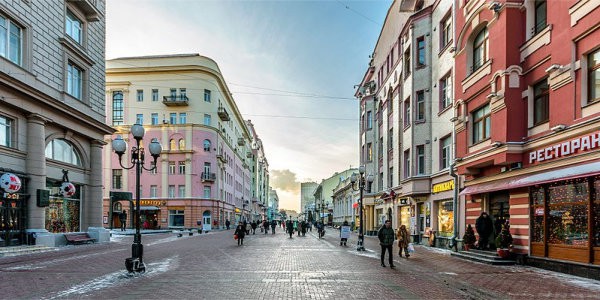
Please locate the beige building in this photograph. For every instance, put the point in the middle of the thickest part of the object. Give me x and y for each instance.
(52, 118)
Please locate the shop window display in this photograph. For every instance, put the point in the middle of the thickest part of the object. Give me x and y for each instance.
(538, 208)
(445, 219)
(62, 214)
(176, 218)
(596, 212)
(568, 213)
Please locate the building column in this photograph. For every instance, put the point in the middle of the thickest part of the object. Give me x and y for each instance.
(36, 168)
(94, 199)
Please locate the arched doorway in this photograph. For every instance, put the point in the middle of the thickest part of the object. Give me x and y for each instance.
(206, 221)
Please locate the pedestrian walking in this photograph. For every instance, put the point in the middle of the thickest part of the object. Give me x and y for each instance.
(402, 236)
(303, 227)
(123, 220)
(253, 225)
(227, 223)
(240, 231)
(273, 225)
(344, 233)
(320, 229)
(386, 237)
(290, 228)
(248, 227)
(266, 226)
(484, 227)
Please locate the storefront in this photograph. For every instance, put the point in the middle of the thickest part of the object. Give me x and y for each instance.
(63, 214)
(442, 192)
(13, 208)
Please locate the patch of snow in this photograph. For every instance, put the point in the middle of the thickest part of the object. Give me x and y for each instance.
(582, 282)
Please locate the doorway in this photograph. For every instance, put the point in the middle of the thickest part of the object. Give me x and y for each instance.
(498, 210)
(12, 222)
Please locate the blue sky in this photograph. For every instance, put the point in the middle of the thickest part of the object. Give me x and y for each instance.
(291, 66)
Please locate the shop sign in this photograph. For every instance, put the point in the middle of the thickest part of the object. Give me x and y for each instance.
(539, 211)
(11, 196)
(579, 144)
(443, 186)
(152, 202)
(403, 201)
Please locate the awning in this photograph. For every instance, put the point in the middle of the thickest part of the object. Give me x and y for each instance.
(149, 208)
(573, 172)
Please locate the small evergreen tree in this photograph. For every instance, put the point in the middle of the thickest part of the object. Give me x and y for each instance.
(504, 239)
(469, 236)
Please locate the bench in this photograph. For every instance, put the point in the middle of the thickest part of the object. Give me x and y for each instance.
(78, 238)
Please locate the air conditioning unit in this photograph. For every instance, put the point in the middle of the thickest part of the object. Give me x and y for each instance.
(165, 122)
(516, 166)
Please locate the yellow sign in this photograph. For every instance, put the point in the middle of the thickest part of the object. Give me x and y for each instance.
(443, 186)
(151, 202)
(237, 210)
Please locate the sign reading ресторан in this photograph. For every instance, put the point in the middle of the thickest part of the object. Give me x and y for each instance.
(579, 144)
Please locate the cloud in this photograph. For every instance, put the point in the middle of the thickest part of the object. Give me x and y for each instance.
(284, 180)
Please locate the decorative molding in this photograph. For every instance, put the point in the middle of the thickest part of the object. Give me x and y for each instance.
(582, 9)
(536, 42)
(484, 70)
(560, 77)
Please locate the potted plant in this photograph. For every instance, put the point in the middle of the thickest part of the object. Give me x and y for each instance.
(469, 238)
(504, 241)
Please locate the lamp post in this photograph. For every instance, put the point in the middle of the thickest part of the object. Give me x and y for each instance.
(361, 180)
(135, 263)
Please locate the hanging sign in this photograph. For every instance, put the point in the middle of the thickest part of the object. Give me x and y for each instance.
(10, 183)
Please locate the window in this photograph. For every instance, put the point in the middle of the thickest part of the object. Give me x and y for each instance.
(207, 119)
(181, 144)
(541, 95)
(171, 167)
(369, 151)
(206, 95)
(567, 217)
(207, 145)
(480, 49)
(153, 168)
(173, 118)
(62, 214)
(369, 120)
(140, 95)
(594, 76)
(182, 93)
(391, 177)
(420, 52)
(172, 144)
(154, 95)
(445, 92)
(445, 145)
(406, 163)
(181, 192)
(182, 118)
(540, 15)
(481, 124)
(62, 150)
(407, 62)
(446, 33)
(74, 27)
(207, 169)
(420, 106)
(11, 40)
(117, 179)
(153, 191)
(407, 112)
(117, 108)
(6, 131)
(139, 118)
(391, 139)
(74, 80)
(421, 159)
(182, 167)
(176, 218)
(207, 192)
(154, 118)
(173, 93)
(171, 191)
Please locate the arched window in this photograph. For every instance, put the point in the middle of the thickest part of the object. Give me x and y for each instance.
(117, 108)
(181, 144)
(480, 49)
(62, 150)
(207, 145)
(172, 145)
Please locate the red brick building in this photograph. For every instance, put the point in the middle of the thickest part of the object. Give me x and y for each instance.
(527, 121)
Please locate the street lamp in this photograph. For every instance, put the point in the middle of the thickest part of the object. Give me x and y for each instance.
(135, 262)
(361, 186)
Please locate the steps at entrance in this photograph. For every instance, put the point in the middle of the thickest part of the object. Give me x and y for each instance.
(486, 257)
(20, 250)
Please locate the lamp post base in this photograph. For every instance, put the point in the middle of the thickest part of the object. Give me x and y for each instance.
(360, 245)
(135, 263)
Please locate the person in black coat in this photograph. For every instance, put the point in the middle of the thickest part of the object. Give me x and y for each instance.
(240, 230)
(253, 225)
(484, 228)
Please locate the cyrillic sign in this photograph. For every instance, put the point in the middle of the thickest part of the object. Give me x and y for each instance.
(443, 186)
(580, 144)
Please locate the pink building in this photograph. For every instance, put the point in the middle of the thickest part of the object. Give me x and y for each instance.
(204, 173)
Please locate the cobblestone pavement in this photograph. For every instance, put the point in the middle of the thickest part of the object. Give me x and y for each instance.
(212, 266)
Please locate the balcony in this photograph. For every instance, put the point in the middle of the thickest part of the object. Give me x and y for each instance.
(208, 177)
(241, 142)
(223, 114)
(181, 100)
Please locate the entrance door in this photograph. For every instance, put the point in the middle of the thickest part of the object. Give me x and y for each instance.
(12, 222)
(499, 206)
(206, 221)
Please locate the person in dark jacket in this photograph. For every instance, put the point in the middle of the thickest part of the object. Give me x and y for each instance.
(227, 224)
(289, 227)
(484, 227)
(253, 225)
(123, 220)
(273, 225)
(386, 237)
(240, 230)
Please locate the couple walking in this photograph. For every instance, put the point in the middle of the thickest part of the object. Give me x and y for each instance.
(387, 236)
